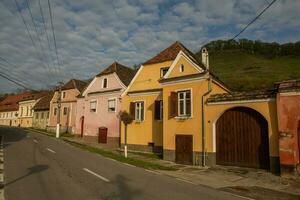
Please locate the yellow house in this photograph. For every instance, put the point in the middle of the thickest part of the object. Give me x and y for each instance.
(177, 109)
(26, 105)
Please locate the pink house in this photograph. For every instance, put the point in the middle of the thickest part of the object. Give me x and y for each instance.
(68, 106)
(99, 104)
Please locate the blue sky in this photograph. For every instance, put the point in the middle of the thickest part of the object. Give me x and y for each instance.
(92, 34)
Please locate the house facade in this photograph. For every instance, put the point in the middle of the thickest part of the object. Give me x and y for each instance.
(288, 108)
(41, 112)
(183, 111)
(9, 109)
(26, 105)
(69, 91)
(99, 105)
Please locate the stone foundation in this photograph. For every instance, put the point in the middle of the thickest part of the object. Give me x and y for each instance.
(146, 148)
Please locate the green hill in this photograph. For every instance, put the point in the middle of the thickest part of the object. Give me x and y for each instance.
(242, 70)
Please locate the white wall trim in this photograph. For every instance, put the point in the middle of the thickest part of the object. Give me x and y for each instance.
(190, 80)
(179, 55)
(289, 94)
(242, 101)
(89, 86)
(145, 94)
(132, 81)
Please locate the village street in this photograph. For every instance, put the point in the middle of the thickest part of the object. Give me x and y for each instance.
(39, 167)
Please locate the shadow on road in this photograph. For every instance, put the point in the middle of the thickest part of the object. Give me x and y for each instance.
(12, 134)
(31, 170)
(124, 191)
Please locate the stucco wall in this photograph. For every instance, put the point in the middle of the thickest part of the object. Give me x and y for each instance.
(40, 122)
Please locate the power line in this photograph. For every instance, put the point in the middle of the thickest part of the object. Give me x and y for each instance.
(45, 27)
(39, 39)
(14, 75)
(53, 34)
(28, 32)
(254, 19)
(15, 82)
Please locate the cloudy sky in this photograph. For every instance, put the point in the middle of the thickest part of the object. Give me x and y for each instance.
(91, 34)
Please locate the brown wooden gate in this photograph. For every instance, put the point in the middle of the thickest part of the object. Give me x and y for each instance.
(242, 139)
(184, 149)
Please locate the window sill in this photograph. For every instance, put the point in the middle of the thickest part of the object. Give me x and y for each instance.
(138, 121)
(183, 117)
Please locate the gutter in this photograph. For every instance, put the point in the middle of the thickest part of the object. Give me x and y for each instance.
(203, 118)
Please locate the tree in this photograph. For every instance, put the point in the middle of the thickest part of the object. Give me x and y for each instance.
(126, 119)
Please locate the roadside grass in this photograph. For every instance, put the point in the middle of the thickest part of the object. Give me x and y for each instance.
(42, 131)
(121, 158)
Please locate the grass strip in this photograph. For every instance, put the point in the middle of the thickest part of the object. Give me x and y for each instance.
(120, 158)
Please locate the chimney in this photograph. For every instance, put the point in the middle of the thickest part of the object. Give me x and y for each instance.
(204, 54)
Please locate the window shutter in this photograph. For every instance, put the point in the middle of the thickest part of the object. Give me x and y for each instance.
(173, 105)
(132, 109)
(142, 111)
(157, 110)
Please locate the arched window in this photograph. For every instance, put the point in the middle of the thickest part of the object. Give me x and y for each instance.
(104, 83)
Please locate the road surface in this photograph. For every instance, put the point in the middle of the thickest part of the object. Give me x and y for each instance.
(38, 167)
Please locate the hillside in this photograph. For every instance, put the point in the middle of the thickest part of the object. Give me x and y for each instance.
(242, 70)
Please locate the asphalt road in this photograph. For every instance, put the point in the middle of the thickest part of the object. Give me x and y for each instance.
(38, 167)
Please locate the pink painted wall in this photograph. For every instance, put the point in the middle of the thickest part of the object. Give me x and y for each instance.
(69, 102)
(288, 108)
(102, 117)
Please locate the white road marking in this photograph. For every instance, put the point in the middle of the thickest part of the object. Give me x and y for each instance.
(235, 195)
(129, 165)
(95, 174)
(51, 150)
(153, 172)
(35, 141)
(186, 181)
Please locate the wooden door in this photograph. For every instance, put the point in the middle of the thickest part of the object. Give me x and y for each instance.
(298, 133)
(184, 149)
(102, 135)
(242, 139)
(82, 125)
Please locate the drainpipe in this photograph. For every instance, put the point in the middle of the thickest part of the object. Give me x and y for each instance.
(203, 118)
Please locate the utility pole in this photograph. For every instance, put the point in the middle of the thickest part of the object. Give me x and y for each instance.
(58, 110)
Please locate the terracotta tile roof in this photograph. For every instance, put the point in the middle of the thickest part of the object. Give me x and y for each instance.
(288, 85)
(170, 54)
(124, 73)
(74, 84)
(240, 96)
(10, 103)
(44, 102)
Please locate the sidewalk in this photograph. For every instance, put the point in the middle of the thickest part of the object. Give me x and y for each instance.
(252, 183)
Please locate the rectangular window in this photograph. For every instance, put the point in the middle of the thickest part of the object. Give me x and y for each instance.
(93, 106)
(104, 83)
(42, 115)
(111, 105)
(163, 71)
(55, 111)
(139, 111)
(47, 115)
(184, 103)
(21, 114)
(158, 115)
(65, 110)
(37, 115)
(63, 95)
(27, 111)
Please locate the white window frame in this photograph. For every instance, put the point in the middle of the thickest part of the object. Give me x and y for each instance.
(184, 91)
(181, 68)
(112, 99)
(103, 83)
(138, 111)
(96, 101)
(162, 73)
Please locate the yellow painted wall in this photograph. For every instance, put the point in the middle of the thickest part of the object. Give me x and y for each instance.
(192, 125)
(26, 116)
(188, 68)
(149, 76)
(150, 130)
(267, 109)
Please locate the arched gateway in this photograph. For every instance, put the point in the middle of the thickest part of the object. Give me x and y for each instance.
(242, 139)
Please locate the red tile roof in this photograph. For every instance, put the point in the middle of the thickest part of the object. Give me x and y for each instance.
(288, 85)
(170, 54)
(124, 73)
(10, 103)
(74, 84)
(44, 102)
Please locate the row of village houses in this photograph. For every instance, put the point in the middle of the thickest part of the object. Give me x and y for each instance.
(180, 110)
